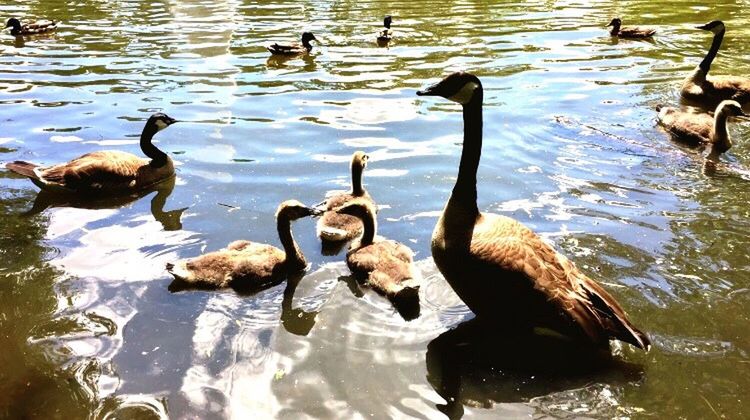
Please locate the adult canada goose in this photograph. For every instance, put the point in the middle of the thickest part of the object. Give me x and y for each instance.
(386, 34)
(337, 227)
(629, 32)
(701, 129)
(294, 48)
(31, 28)
(106, 172)
(247, 265)
(386, 265)
(709, 91)
(500, 268)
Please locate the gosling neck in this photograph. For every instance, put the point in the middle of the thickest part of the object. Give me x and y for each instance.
(370, 226)
(158, 158)
(705, 65)
(720, 141)
(357, 188)
(294, 258)
(465, 190)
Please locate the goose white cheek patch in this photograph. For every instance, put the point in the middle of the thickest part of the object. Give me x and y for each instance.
(161, 124)
(464, 95)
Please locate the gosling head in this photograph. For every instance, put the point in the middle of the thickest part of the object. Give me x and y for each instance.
(616, 22)
(160, 121)
(293, 210)
(730, 109)
(387, 22)
(715, 26)
(359, 208)
(458, 87)
(359, 160)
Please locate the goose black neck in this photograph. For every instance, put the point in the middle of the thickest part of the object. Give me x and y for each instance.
(465, 189)
(158, 158)
(705, 65)
(357, 189)
(294, 258)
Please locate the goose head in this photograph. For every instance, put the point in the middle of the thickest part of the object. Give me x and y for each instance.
(160, 121)
(307, 37)
(616, 22)
(293, 210)
(730, 109)
(458, 87)
(715, 26)
(387, 22)
(359, 160)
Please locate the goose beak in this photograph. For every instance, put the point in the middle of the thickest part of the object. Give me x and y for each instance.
(316, 211)
(429, 91)
(704, 27)
(320, 208)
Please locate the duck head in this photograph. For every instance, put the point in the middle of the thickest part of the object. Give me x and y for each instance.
(616, 22)
(458, 87)
(14, 24)
(293, 210)
(307, 37)
(387, 22)
(160, 121)
(715, 26)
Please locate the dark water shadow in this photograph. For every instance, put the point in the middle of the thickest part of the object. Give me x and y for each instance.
(332, 248)
(171, 220)
(277, 61)
(479, 364)
(406, 304)
(296, 321)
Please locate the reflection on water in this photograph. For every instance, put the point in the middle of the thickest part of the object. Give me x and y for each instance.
(478, 365)
(90, 327)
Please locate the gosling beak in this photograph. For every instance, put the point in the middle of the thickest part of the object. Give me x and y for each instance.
(316, 211)
(743, 116)
(320, 208)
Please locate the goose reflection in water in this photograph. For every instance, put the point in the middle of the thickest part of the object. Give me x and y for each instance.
(476, 364)
(171, 220)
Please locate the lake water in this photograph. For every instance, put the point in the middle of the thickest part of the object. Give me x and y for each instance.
(90, 328)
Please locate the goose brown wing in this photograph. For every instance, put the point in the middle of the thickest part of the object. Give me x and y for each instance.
(105, 170)
(514, 249)
(732, 87)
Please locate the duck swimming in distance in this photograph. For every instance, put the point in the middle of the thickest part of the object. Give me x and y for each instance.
(701, 129)
(295, 48)
(629, 32)
(339, 227)
(106, 172)
(386, 266)
(708, 90)
(245, 265)
(386, 34)
(500, 268)
(31, 28)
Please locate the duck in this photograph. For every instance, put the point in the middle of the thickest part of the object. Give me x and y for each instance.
(293, 49)
(501, 269)
(386, 34)
(246, 265)
(708, 90)
(701, 129)
(31, 28)
(337, 227)
(629, 32)
(106, 172)
(386, 265)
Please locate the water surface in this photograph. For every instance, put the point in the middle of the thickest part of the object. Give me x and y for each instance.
(89, 326)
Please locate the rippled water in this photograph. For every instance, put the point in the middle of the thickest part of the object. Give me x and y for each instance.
(89, 326)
